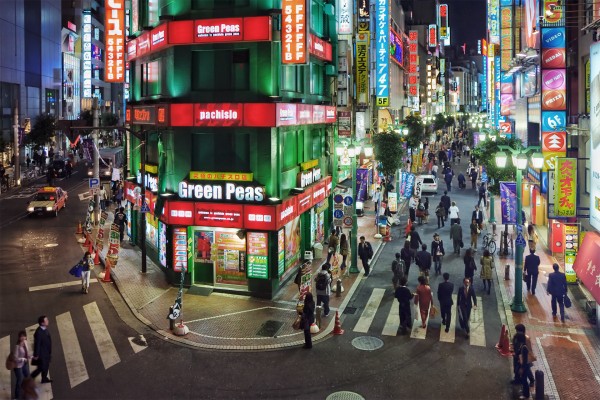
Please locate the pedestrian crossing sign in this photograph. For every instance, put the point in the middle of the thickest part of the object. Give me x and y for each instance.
(145, 208)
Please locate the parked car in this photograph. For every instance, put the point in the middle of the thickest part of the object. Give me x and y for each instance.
(429, 184)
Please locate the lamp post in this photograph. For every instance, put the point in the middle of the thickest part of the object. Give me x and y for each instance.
(520, 160)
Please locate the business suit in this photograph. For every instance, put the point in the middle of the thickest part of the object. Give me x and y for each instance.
(444, 294)
(532, 264)
(466, 299)
(404, 295)
(557, 288)
(42, 349)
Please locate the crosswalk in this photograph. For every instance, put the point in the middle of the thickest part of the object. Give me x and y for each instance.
(72, 353)
(375, 305)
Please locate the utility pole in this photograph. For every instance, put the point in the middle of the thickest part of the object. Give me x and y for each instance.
(17, 167)
(143, 194)
(96, 157)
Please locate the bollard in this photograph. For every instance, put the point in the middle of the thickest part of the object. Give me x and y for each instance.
(507, 272)
(171, 321)
(539, 385)
(494, 229)
(318, 316)
(338, 288)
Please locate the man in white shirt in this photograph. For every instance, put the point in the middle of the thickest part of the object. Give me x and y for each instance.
(412, 208)
(453, 213)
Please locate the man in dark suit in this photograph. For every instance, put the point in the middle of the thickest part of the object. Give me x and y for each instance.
(478, 217)
(466, 301)
(445, 199)
(444, 294)
(557, 288)
(531, 267)
(42, 349)
(404, 295)
(423, 261)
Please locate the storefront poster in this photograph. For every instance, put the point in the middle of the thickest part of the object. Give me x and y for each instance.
(204, 240)
(152, 230)
(566, 187)
(587, 264)
(258, 260)
(508, 198)
(280, 252)
(362, 183)
(162, 244)
(317, 224)
(180, 256)
(570, 252)
(393, 202)
(292, 243)
(230, 260)
(595, 135)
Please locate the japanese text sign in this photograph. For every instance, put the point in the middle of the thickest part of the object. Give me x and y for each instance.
(566, 187)
(382, 51)
(508, 198)
(114, 41)
(294, 32)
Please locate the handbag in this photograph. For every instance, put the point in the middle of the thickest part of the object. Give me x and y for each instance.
(433, 311)
(11, 361)
(297, 322)
(567, 301)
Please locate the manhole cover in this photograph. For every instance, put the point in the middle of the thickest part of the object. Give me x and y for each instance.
(345, 396)
(51, 245)
(349, 310)
(269, 328)
(369, 343)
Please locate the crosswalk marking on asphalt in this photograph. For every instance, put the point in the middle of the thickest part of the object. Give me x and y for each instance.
(137, 347)
(477, 336)
(105, 345)
(5, 387)
(59, 285)
(450, 336)
(418, 332)
(368, 314)
(393, 321)
(71, 349)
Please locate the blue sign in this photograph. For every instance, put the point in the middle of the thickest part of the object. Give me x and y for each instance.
(483, 82)
(348, 200)
(553, 38)
(544, 183)
(410, 184)
(497, 91)
(338, 214)
(554, 121)
(382, 51)
(508, 205)
(145, 208)
(520, 240)
(338, 198)
(94, 183)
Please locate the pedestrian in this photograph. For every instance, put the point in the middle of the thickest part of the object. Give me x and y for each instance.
(532, 236)
(103, 198)
(344, 251)
(461, 181)
(406, 256)
(50, 176)
(121, 220)
(323, 285)
(68, 168)
(516, 348)
(470, 266)
(423, 261)
(437, 252)
(404, 295)
(531, 270)
(557, 288)
(434, 170)
(376, 202)
(448, 178)
(365, 253)
(298, 278)
(119, 194)
(42, 350)
(487, 264)
(474, 228)
(466, 300)
(423, 299)
(426, 206)
(524, 365)
(440, 213)
(308, 318)
(415, 241)
(28, 161)
(482, 195)
(87, 263)
(445, 200)
(453, 213)
(477, 215)
(456, 235)
(21, 355)
(473, 175)
(332, 244)
(444, 294)
(413, 203)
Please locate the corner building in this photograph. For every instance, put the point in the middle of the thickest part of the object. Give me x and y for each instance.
(237, 173)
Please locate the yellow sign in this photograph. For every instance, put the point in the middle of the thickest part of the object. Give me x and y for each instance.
(153, 169)
(383, 101)
(550, 159)
(362, 69)
(221, 176)
(309, 164)
(565, 189)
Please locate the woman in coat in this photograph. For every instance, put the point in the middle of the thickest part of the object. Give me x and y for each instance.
(533, 237)
(308, 318)
(487, 263)
(87, 264)
(406, 256)
(423, 298)
(22, 355)
(470, 266)
(344, 250)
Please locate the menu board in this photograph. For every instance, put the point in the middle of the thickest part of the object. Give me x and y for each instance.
(257, 259)
(280, 252)
(229, 253)
(180, 257)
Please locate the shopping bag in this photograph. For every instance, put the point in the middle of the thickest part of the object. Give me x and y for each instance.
(76, 271)
(433, 311)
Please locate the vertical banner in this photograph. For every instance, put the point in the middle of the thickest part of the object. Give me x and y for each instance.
(508, 199)
(506, 34)
(114, 41)
(565, 191)
(443, 21)
(86, 43)
(432, 35)
(570, 252)
(344, 17)
(294, 44)
(382, 53)
(595, 135)
(413, 64)
(362, 70)
(362, 183)
(493, 21)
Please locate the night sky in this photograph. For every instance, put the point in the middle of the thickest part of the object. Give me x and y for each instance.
(467, 21)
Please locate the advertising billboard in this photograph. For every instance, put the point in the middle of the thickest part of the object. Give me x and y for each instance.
(506, 36)
(413, 63)
(595, 135)
(493, 11)
(382, 29)
(114, 41)
(87, 54)
(396, 50)
(362, 69)
(443, 21)
(294, 32)
(344, 17)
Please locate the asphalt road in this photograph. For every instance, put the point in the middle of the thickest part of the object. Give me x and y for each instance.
(404, 367)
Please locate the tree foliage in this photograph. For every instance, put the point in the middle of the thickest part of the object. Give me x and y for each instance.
(439, 122)
(416, 131)
(450, 121)
(485, 153)
(87, 117)
(42, 131)
(388, 151)
(109, 119)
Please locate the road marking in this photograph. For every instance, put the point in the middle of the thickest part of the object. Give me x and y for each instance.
(71, 349)
(105, 345)
(59, 285)
(368, 314)
(450, 336)
(393, 320)
(5, 387)
(137, 347)
(417, 331)
(477, 336)
(84, 196)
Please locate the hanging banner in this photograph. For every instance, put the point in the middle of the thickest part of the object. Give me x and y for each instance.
(566, 187)
(508, 198)
(114, 41)
(362, 183)
(362, 70)
(344, 17)
(570, 250)
(382, 52)
(587, 263)
(294, 46)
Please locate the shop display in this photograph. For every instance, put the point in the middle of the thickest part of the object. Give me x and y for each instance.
(257, 259)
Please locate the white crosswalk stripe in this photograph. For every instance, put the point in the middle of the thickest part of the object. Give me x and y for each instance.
(71, 349)
(393, 321)
(450, 336)
(368, 314)
(477, 336)
(5, 375)
(105, 345)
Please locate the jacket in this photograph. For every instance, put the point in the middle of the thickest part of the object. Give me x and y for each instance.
(445, 199)
(333, 242)
(467, 300)
(363, 252)
(437, 247)
(423, 259)
(456, 232)
(21, 354)
(406, 256)
(327, 290)
(487, 263)
(532, 264)
(444, 293)
(344, 249)
(477, 216)
(42, 344)
(308, 314)
(86, 264)
(470, 266)
(404, 295)
(557, 284)
(415, 240)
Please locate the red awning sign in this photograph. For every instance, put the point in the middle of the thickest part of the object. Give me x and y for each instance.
(587, 263)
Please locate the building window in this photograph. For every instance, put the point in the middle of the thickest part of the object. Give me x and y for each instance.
(225, 151)
(317, 18)
(221, 70)
(316, 79)
(212, 4)
(150, 78)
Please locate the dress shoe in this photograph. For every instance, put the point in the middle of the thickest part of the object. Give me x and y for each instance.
(446, 330)
(307, 347)
(443, 322)
(47, 381)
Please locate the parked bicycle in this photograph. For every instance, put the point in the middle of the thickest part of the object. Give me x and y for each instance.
(489, 243)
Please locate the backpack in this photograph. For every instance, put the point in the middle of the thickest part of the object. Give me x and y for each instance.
(398, 267)
(439, 211)
(321, 282)
(369, 250)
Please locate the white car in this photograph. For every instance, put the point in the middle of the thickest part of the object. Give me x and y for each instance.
(429, 184)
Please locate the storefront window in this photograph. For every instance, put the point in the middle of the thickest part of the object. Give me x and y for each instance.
(317, 221)
(152, 230)
(293, 239)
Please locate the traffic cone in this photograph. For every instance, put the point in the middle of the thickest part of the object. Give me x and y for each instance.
(90, 247)
(87, 242)
(337, 330)
(97, 257)
(79, 228)
(106, 278)
(503, 345)
(408, 227)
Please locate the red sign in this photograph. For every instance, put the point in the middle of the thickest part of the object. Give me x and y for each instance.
(144, 115)
(179, 213)
(432, 35)
(222, 215)
(218, 114)
(587, 263)
(286, 211)
(319, 48)
(554, 141)
(304, 114)
(159, 37)
(219, 30)
(162, 115)
(505, 127)
(114, 41)
(128, 114)
(143, 44)
(262, 218)
(293, 32)
(130, 194)
(286, 114)
(328, 185)
(180, 256)
(319, 192)
(182, 114)
(318, 114)
(304, 200)
(330, 114)
(132, 49)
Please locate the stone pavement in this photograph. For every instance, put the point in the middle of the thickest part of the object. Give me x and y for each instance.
(226, 321)
(568, 353)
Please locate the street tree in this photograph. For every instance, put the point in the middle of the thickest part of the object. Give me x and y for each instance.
(485, 154)
(450, 121)
(388, 150)
(416, 131)
(42, 131)
(439, 122)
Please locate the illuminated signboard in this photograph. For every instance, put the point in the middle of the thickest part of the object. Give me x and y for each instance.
(87, 54)
(595, 135)
(260, 217)
(413, 63)
(294, 32)
(257, 260)
(506, 37)
(219, 215)
(218, 30)
(396, 50)
(319, 48)
(443, 21)
(364, 10)
(218, 114)
(382, 57)
(493, 21)
(114, 41)
(179, 212)
(344, 16)
(144, 115)
(432, 35)
(552, 13)
(227, 191)
(362, 69)
(221, 176)
(180, 256)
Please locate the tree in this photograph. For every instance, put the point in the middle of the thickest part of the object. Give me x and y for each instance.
(42, 131)
(439, 122)
(449, 121)
(388, 151)
(109, 119)
(485, 153)
(87, 117)
(416, 131)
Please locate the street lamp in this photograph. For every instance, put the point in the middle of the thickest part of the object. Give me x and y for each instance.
(520, 159)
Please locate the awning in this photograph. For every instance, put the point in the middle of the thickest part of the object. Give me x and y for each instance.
(587, 264)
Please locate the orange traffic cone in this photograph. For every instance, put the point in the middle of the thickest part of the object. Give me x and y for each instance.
(97, 257)
(87, 242)
(106, 272)
(337, 330)
(90, 247)
(79, 228)
(503, 345)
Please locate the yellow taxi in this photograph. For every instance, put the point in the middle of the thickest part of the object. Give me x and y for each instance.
(48, 200)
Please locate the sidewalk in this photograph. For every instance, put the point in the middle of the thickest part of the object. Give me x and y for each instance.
(227, 321)
(568, 353)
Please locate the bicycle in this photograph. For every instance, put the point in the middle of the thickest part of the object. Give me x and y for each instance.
(489, 243)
